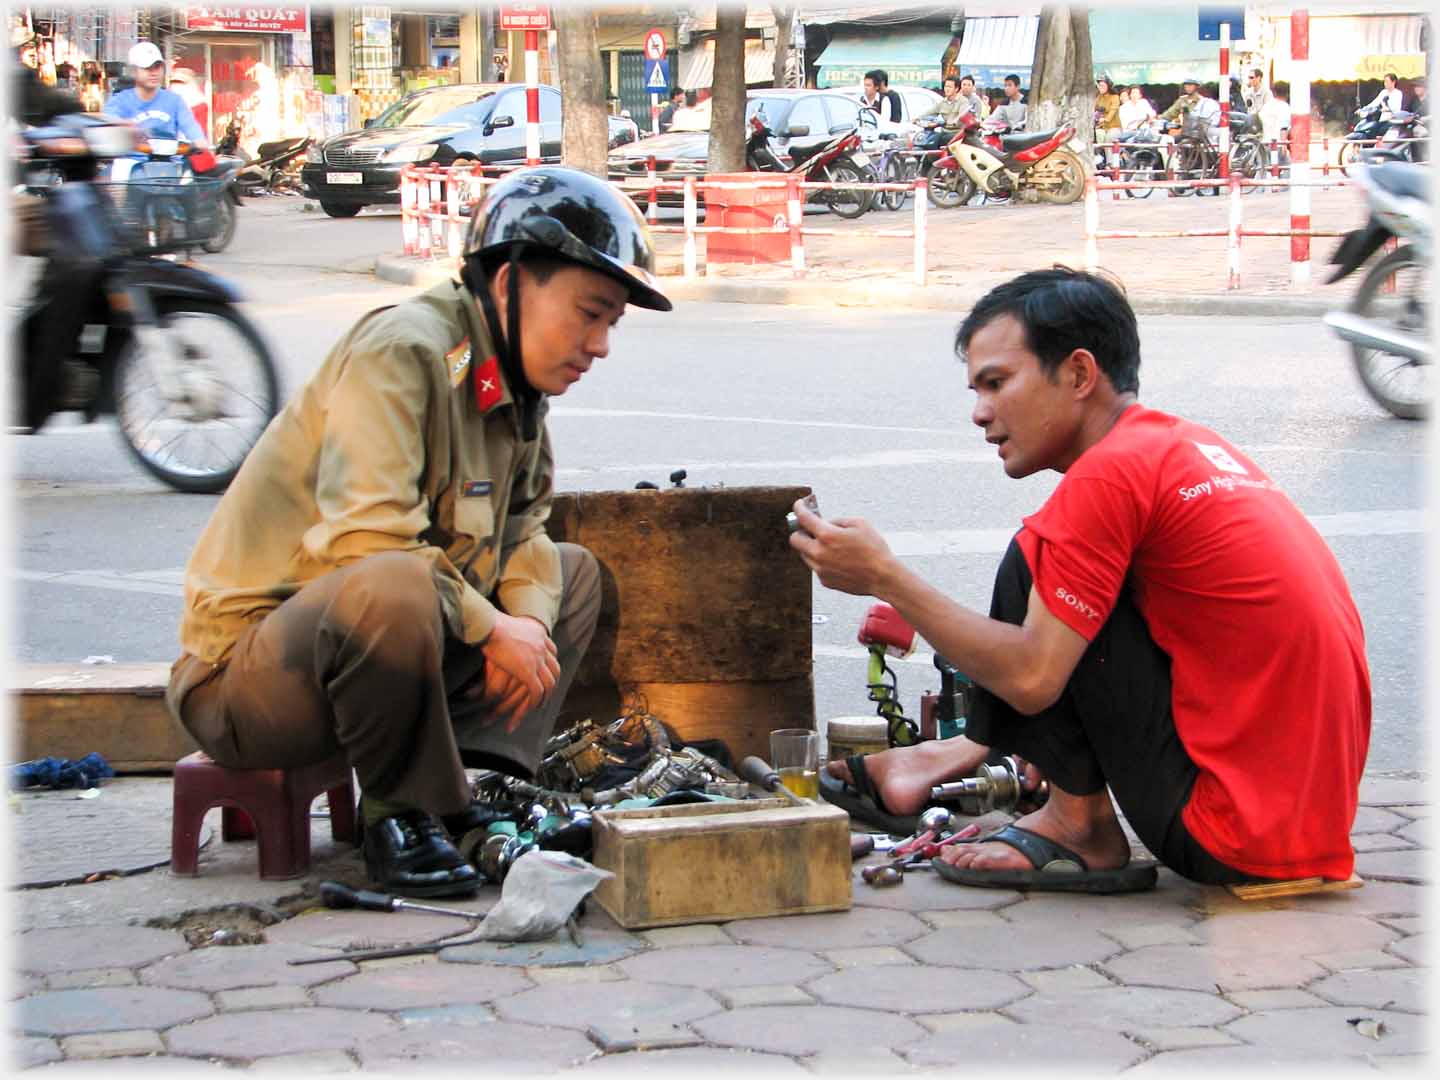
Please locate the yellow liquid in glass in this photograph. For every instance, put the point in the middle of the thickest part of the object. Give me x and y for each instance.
(803, 782)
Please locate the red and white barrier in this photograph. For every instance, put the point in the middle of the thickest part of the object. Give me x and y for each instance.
(1300, 148)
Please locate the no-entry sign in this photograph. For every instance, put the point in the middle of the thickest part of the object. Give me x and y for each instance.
(655, 44)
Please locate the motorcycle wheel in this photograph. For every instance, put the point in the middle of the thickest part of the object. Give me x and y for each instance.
(340, 210)
(1058, 179)
(1188, 163)
(1144, 166)
(1398, 384)
(848, 203)
(1248, 159)
(949, 187)
(224, 228)
(894, 174)
(223, 392)
(1349, 158)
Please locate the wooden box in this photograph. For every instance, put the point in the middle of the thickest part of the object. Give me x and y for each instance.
(712, 862)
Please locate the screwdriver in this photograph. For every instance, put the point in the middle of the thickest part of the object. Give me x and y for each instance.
(335, 895)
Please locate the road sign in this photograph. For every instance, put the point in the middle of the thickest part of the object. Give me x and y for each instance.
(655, 45)
(525, 17)
(657, 76)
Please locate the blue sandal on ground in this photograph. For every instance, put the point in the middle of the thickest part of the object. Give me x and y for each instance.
(1055, 868)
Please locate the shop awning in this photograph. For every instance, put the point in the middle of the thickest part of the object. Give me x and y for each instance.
(907, 56)
(995, 47)
(1347, 48)
(1152, 47)
(697, 65)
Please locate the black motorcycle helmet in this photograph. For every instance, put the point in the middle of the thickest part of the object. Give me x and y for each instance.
(558, 214)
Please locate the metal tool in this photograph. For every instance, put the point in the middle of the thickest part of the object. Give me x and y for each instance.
(993, 787)
(880, 876)
(932, 823)
(758, 772)
(335, 895)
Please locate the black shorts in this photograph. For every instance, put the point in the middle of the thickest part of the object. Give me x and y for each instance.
(1113, 725)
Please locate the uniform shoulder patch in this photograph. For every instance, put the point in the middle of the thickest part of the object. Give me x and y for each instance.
(487, 383)
(457, 362)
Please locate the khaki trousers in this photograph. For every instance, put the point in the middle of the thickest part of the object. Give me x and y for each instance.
(358, 660)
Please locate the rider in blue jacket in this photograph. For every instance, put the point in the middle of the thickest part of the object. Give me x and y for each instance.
(160, 112)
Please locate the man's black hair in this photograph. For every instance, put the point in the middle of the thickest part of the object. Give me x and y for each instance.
(1013, 78)
(679, 91)
(955, 79)
(878, 77)
(1062, 310)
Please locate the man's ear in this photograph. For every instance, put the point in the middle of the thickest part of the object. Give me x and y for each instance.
(1081, 372)
(499, 286)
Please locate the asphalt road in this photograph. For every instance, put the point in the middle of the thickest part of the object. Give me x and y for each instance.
(868, 407)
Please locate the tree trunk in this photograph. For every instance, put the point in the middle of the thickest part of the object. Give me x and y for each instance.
(727, 91)
(584, 131)
(784, 21)
(1062, 84)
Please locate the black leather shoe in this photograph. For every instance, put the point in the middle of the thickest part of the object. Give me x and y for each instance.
(410, 854)
(477, 815)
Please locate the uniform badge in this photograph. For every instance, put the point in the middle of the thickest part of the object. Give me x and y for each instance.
(473, 488)
(457, 362)
(487, 383)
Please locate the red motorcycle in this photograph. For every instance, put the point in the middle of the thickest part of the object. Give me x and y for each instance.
(985, 158)
(839, 161)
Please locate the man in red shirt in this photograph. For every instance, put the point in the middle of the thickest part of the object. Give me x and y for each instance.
(1168, 628)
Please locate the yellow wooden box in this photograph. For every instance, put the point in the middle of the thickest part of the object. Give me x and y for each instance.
(712, 862)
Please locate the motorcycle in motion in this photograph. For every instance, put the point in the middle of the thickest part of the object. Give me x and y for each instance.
(114, 327)
(1376, 129)
(173, 160)
(1386, 324)
(980, 157)
(839, 161)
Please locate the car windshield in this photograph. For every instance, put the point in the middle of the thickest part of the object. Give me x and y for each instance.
(454, 106)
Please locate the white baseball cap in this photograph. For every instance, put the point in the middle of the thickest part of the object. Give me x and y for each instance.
(145, 55)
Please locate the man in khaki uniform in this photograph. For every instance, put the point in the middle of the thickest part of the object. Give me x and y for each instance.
(377, 580)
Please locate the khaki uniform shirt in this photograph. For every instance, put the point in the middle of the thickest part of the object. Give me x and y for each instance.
(406, 439)
(949, 111)
(1183, 104)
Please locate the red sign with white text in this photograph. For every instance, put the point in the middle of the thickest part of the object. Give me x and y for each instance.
(271, 20)
(525, 17)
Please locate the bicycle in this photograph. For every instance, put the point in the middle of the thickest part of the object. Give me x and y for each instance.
(894, 166)
(1195, 157)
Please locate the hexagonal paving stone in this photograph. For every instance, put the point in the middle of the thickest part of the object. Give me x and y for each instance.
(1010, 949)
(111, 1008)
(1411, 866)
(1372, 819)
(30, 1051)
(1328, 1031)
(719, 967)
(925, 890)
(598, 947)
(1394, 988)
(494, 1049)
(1092, 1049)
(801, 1030)
(582, 1007)
(281, 1031)
(84, 947)
(1123, 1008)
(697, 1059)
(1392, 791)
(1205, 967)
(832, 930)
(145, 1066)
(338, 929)
(1233, 1061)
(1376, 898)
(234, 966)
(1158, 907)
(416, 986)
(918, 989)
(1414, 949)
(1295, 933)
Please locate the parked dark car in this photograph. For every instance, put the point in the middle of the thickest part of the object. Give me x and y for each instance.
(800, 119)
(442, 125)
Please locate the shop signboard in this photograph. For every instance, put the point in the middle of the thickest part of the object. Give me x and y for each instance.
(244, 18)
(525, 17)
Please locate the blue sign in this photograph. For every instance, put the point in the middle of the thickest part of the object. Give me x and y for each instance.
(657, 76)
(1212, 15)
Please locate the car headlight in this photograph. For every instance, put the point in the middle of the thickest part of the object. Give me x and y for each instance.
(406, 155)
(314, 154)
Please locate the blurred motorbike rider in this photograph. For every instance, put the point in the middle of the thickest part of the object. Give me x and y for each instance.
(160, 112)
(377, 581)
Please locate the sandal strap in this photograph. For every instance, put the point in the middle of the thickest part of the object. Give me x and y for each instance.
(1044, 854)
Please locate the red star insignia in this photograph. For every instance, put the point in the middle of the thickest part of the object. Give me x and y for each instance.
(487, 383)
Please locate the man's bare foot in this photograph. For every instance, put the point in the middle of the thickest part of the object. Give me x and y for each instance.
(905, 775)
(1086, 824)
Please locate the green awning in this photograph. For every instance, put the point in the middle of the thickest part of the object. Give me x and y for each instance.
(907, 56)
(1151, 46)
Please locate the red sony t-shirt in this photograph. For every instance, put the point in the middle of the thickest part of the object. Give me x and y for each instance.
(1271, 691)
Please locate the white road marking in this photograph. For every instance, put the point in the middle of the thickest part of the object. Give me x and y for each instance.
(170, 581)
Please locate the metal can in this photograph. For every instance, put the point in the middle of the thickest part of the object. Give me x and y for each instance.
(846, 735)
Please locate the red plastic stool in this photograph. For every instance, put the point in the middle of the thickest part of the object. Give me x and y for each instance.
(273, 802)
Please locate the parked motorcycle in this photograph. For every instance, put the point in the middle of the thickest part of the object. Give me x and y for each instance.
(982, 157)
(275, 168)
(1374, 130)
(112, 328)
(1386, 323)
(839, 161)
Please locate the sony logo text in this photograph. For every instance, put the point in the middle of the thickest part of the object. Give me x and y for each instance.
(1222, 483)
(1075, 602)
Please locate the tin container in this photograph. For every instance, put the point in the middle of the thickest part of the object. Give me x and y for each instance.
(846, 735)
